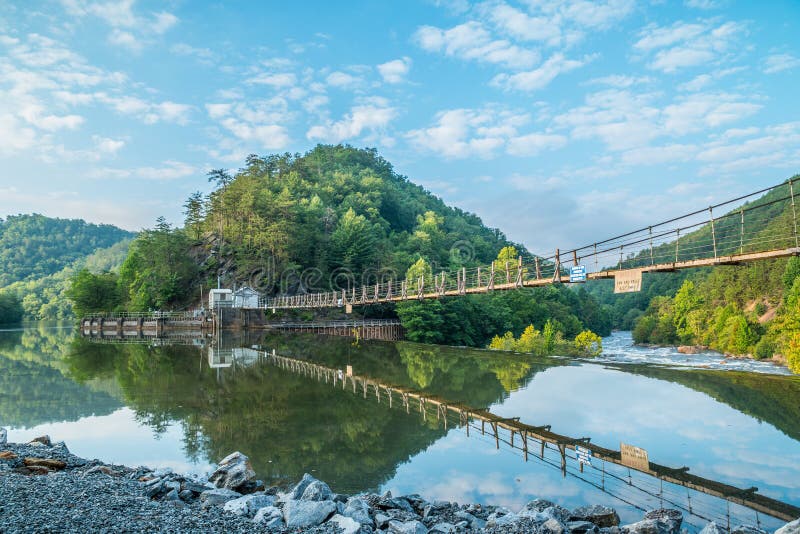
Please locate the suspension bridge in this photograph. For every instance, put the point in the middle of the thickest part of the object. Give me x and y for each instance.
(758, 226)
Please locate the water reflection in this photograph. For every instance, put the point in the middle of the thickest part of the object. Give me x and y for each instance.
(193, 405)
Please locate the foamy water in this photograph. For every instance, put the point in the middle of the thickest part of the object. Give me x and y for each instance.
(619, 348)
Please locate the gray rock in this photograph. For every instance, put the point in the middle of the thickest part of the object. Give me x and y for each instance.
(154, 487)
(580, 527)
(218, 497)
(408, 527)
(499, 519)
(269, 516)
(172, 485)
(347, 524)
(747, 529)
(234, 472)
(358, 509)
(648, 526)
(382, 520)
(552, 526)
(399, 503)
(602, 516)
(474, 522)
(41, 440)
(713, 528)
(790, 528)
(444, 527)
(172, 495)
(301, 486)
(248, 505)
(194, 487)
(317, 491)
(673, 518)
(304, 514)
(162, 472)
(543, 509)
(3, 436)
(186, 495)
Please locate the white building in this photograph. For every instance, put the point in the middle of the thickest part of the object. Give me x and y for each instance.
(245, 297)
(220, 298)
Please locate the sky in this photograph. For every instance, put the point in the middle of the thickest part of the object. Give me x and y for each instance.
(561, 122)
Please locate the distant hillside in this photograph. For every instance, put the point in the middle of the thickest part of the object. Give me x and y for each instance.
(33, 246)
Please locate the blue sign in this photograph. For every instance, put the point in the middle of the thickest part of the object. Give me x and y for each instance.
(583, 455)
(577, 274)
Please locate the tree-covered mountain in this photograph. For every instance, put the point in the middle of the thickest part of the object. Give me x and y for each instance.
(335, 218)
(46, 297)
(33, 246)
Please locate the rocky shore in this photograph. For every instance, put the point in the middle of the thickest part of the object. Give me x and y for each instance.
(45, 488)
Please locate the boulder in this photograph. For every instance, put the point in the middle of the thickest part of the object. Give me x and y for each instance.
(297, 491)
(270, 516)
(248, 505)
(790, 528)
(747, 529)
(649, 526)
(408, 527)
(542, 510)
(3, 436)
(42, 440)
(172, 495)
(552, 526)
(399, 503)
(306, 514)
(317, 491)
(444, 527)
(713, 528)
(692, 349)
(580, 527)
(235, 473)
(382, 520)
(358, 509)
(602, 516)
(218, 497)
(500, 519)
(347, 525)
(673, 518)
(474, 522)
(8, 455)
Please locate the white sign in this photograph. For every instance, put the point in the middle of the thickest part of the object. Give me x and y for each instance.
(577, 274)
(584, 455)
(634, 457)
(628, 281)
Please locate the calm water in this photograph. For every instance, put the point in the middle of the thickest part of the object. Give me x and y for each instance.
(188, 406)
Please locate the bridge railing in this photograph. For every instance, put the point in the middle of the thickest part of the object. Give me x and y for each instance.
(759, 222)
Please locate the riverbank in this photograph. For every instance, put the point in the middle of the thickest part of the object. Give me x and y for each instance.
(45, 488)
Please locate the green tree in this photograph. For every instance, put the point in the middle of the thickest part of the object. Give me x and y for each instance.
(194, 208)
(91, 293)
(10, 308)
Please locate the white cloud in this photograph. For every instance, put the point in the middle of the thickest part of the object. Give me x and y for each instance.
(463, 133)
(532, 144)
(168, 170)
(396, 70)
(780, 62)
(14, 135)
(343, 80)
(106, 145)
(148, 112)
(684, 45)
(703, 4)
(472, 41)
(127, 29)
(125, 39)
(372, 115)
(659, 155)
(522, 26)
(203, 55)
(255, 125)
(621, 81)
(34, 114)
(277, 80)
(539, 77)
(702, 111)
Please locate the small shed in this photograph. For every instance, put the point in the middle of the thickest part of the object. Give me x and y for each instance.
(220, 298)
(246, 297)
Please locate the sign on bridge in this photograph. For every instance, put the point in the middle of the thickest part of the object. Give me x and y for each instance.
(577, 274)
(634, 457)
(584, 455)
(628, 281)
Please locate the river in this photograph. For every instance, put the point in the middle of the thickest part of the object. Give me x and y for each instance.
(186, 406)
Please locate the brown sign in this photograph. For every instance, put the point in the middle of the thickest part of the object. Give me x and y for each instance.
(634, 457)
(628, 281)
(348, 308)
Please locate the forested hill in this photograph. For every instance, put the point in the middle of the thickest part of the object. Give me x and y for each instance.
(334, 218)
(34, 246)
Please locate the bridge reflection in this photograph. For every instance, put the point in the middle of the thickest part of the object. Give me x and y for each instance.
(674, 487)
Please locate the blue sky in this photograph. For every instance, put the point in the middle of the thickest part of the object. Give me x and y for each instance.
(559, 121)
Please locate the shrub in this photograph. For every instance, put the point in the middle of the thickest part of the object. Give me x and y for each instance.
(589, 342)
